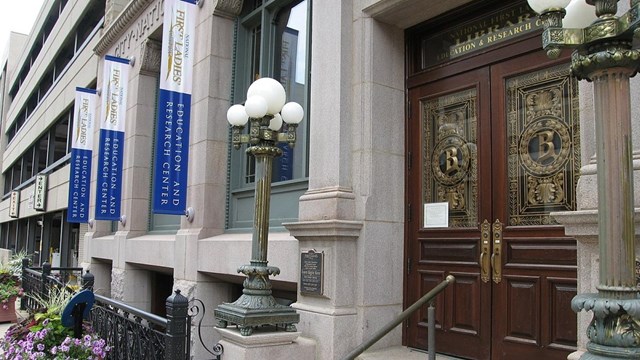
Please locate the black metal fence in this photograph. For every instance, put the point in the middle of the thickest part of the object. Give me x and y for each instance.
(132, 334)
(136, 334)
(38, 282)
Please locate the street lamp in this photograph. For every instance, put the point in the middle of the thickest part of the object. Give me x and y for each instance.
(265, 110)
(604, 54)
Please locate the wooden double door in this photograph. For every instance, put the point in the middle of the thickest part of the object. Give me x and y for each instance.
(492, 151)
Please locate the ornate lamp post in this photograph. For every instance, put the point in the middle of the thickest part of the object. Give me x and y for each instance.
(266, 110)
(604, 54)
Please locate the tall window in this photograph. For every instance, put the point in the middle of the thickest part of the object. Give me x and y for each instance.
(273, 38)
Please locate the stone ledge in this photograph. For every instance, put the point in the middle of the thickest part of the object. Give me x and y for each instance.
(325, 229)
(323, 310)
(262, 336)
(585, 222)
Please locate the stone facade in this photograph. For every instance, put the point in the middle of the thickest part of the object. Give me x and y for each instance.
(353, 210)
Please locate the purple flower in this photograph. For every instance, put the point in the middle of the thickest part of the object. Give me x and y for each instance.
(45, 322)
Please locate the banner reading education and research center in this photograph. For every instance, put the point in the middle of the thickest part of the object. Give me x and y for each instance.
(174, 108)
(111, 149)
(81, 151)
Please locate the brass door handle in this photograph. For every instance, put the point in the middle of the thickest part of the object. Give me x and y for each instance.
(485, 239)
(496, 256)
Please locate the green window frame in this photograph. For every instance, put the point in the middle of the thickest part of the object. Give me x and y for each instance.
(272, 40)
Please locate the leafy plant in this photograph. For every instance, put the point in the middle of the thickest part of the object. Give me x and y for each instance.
(9, 287)
(48, 342)
(43, 336)
(14, 265)
(54, 303)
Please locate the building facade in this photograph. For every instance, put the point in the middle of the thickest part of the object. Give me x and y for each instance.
(437, 139)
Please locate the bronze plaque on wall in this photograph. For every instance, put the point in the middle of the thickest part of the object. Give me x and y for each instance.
(311, 272)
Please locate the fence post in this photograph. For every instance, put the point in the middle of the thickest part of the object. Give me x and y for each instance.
(25, 265)
(87, 281)
(46, 271)
(176, 337)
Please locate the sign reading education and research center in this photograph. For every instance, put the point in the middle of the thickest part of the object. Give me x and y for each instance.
(111, 149)
(81, 151)
(174, 108)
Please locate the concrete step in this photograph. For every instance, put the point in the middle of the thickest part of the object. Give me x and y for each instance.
(401, 353)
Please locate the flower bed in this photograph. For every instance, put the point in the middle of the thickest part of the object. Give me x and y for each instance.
(42, 335)
(22, 342)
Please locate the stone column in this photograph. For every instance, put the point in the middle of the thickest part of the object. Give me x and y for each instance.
(602, 228)
(353, 212)
(328, 209)
(616, 307)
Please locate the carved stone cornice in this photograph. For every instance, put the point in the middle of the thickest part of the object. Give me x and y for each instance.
(228, 8)
(118, 27)
(150, 57)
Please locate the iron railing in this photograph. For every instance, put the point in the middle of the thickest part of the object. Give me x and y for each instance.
(132, 334)
(39, 281)
(427, 298)
(136, 334)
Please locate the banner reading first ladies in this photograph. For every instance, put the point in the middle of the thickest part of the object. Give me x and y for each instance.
(174, 108)
(81, 151)
(111, 149)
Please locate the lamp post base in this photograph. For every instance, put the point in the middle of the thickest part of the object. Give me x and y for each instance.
(256, 306)
(271, 313)
(614, 332)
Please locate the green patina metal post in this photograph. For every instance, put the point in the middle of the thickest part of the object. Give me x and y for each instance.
(605, 55)
(257, 306)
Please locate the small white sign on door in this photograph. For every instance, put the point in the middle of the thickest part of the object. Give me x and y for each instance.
(436, 215)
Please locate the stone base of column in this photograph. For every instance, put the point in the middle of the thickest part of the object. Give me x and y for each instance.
(609, 353)
(575, 355)
(334, 329)
(266, 344)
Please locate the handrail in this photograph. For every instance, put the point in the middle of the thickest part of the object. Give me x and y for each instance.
(405, 314)
(158, 320)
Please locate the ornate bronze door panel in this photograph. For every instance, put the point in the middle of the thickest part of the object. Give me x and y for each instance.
(492, 151)
(454, 151)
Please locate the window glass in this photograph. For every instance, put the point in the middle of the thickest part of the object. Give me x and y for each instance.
(27, 163)
(272, 42)
(291, 69)
(59, 134)
(4, 235)
(41, 152)
(17, 174)
(7, 180)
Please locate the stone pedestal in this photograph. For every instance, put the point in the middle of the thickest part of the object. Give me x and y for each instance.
(583, 226)
(330, 316)
(267, 344)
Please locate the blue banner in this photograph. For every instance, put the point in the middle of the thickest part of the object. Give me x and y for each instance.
(79, 189)
(111, 149)
(109, 182)
(81, 154)
(174, 108)
(171, 153)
